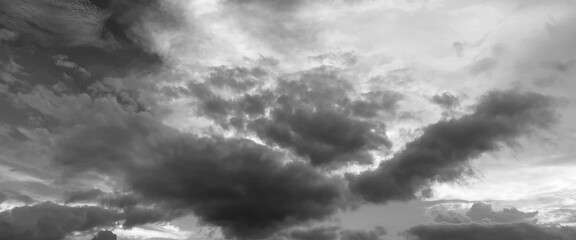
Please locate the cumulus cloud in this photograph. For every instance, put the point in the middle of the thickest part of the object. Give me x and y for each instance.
(316, 113)
(483, 212)
(236, 184)
(451, 217)
(442, 152)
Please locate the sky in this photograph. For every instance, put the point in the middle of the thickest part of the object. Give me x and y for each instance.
(287, 119)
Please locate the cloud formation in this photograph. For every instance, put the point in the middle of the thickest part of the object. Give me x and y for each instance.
(475, 231)
(236, 184)
(49, 221)
(316, 113)
(483, 212)
(334, 233)
(442, 152)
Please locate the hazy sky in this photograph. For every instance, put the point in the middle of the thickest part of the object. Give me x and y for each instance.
(287, 119)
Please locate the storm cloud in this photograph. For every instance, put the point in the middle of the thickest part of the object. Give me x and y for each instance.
(239, 185)
(316, 113)
(442, 152)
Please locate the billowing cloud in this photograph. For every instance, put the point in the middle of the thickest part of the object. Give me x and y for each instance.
(483, 212)
(316, 113)
(103, 101)
(442, 152)
(451, 217)
(236, 184)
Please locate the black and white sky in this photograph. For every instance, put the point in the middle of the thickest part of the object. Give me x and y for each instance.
(287, 119)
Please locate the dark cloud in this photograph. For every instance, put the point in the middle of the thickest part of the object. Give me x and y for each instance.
(49, 221)
(451, 217)
(509, 231)
(105, 235)
(93, 23)
(483, 212)
(442, 152)
(236, 184)
(316, 113)
(324, 137)
(70, 46)
(445, 100)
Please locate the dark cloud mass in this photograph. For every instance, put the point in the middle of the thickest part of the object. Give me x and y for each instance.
(442, 152)
(315, 113)
(451, 217)
(70, 46)
(110, 103)
(49, 221)
(483, 212)
(510, 231)
(92, 23)
(236, 184)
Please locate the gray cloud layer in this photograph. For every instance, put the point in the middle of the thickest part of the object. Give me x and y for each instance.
(508, 231)
(49, 221)
(483, 213)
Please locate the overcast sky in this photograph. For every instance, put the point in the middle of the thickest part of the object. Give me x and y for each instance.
(287, 119)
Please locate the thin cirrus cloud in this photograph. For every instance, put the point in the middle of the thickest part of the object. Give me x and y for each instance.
(123, 116)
